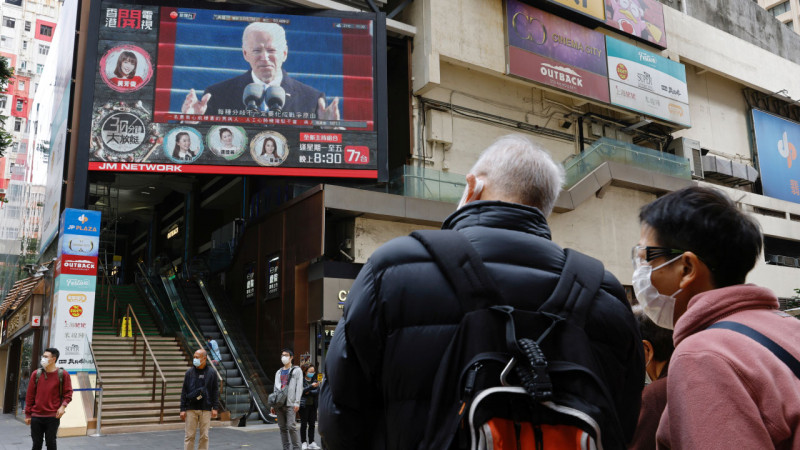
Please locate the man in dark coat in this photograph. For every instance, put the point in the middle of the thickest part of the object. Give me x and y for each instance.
(264, 48)
(401, 313)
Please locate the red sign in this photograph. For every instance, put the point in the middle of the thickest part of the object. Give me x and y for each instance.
(553, 73)
(75, 311)
(321, 137)
(78, 265)
(356, 154)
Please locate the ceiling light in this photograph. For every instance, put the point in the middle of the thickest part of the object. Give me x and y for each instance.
(145, 192)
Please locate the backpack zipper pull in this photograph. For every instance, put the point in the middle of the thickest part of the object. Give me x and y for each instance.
(469, 385)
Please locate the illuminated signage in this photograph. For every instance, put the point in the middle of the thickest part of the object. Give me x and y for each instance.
(777, 140)
(173, 232)
(172, 97)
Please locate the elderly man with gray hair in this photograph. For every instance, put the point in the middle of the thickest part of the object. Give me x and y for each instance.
(402, 312)
(265, 49)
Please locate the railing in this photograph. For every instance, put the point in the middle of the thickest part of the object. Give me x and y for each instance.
(200, 345)
(429, 184)
(246, 368)
(167, 321)
(130, 312)
(113, 306)
(605, 149)
(98, 399)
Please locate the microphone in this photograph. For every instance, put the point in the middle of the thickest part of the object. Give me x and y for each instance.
(252, 96)
(276, 97)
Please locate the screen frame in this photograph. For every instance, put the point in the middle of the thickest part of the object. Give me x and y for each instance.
(380, 92)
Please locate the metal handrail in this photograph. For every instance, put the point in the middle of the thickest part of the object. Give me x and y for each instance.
(200, 345)
(234, 352)
(98, 401)
(156, 366)
(110, 291)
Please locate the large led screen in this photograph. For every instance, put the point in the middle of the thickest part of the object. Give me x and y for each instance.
(195, 90)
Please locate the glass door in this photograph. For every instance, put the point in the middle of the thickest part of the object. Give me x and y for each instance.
(24, 373)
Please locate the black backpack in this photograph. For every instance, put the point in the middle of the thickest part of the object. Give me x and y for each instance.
(517, 379)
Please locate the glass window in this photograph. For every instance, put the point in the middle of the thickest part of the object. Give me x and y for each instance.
(7, 42)
(9, 22)
(44, 49)
(779, 9)
(23, 65)
(20, 104)
(21, 85)
(45, 30)
(14, 2)
(17, 124)
(3, 100)
(27, 25)
(790, 24)
(24, 45)
(39, 68)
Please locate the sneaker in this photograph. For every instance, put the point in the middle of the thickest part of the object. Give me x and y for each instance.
(305, 446)
(313, 446)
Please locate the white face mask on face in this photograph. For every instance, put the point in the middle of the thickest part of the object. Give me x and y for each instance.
(285, 360)
(658, 307)
(464, 198)
(45, 361)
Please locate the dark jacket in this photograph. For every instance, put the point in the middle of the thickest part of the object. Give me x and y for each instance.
(310, 394)
(196, 379)
(401, 314)
(300, 98)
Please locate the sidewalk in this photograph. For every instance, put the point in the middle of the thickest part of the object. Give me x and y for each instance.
(15, 435)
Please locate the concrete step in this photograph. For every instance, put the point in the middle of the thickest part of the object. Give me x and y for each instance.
(126, 406)
(140, 420)
(167, 426)
(144, 413)
(121, 339)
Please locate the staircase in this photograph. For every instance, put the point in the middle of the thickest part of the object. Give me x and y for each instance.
(127, 404)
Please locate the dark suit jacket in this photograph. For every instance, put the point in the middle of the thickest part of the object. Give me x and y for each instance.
(300, 98)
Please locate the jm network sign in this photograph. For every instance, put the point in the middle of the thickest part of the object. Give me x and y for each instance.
(777, 140)
(76, 279)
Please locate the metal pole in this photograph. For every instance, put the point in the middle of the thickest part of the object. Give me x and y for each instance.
(99, 432)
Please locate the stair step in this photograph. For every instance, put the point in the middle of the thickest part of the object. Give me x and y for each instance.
(140, 405)
(154, 412)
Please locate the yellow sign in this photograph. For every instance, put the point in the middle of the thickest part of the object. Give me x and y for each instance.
(594, 8)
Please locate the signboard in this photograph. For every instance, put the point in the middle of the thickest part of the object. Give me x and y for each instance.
(196, 90)
(75, 285)
(553, 51)
(642, 19)
(591, 8)
(646, 82)
(777, 140)
(36, 321)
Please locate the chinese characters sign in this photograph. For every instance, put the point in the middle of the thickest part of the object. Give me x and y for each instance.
(172, 97)
(646, 82)
(777, 140)
(75, 284)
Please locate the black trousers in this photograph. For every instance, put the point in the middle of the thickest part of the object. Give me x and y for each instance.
(308, 418)
(44, 427)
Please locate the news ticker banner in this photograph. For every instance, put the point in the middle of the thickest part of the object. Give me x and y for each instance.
(170, 96)
(75, 285)
(646, 82)
(777, 140)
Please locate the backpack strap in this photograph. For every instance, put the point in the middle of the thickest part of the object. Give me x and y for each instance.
(577, 286)
(38, 374)
(61, 384)
(462, 267)
(774, 347)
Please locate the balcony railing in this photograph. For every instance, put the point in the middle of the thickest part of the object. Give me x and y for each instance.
(429, 184)
(605, 149)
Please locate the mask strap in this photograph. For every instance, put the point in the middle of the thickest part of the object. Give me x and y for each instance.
(668, 263)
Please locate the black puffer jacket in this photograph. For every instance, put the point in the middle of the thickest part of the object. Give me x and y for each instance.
(401, 314)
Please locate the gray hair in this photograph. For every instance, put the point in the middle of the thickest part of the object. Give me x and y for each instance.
(521, 171)
(273, 29)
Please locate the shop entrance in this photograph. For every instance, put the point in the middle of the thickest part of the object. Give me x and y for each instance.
(10, 396)
(321, 335)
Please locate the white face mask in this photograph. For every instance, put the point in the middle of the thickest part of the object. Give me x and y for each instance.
(45, 361)
(285, 360)
(658, 307)
(464, 198)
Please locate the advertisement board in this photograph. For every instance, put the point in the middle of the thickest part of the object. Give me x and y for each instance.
(235, 91)
(642, 19)
(75, 285)
(643, 81)
(777, 140)
(591, 8)
(553, 51)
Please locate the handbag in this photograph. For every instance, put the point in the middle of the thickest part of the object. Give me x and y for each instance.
(277, 399)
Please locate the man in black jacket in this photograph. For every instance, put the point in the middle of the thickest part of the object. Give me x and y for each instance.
(199, 400)
(401, 313)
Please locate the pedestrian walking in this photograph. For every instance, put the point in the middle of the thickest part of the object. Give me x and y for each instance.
(289, 378)
(199, 401)
(308, 407)
(49, 393)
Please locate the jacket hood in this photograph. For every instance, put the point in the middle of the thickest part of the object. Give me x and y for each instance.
(497, 214)
(709, 307)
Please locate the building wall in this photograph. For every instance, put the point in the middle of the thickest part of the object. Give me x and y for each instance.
(372, 233)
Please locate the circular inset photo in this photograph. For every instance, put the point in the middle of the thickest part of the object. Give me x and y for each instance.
(269, 148)
(183, 145)
(126, 68)
(226, 141)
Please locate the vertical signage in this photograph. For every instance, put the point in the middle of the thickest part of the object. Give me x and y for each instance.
(75, 283)
(777, 140)
(646, 82)
(556, 52)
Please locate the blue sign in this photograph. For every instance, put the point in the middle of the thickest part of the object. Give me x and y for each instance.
(80, 283)
(81, 222)
(776, 141)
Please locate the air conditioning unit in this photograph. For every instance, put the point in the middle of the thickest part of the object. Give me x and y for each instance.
(772, 259)
(689, 149)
